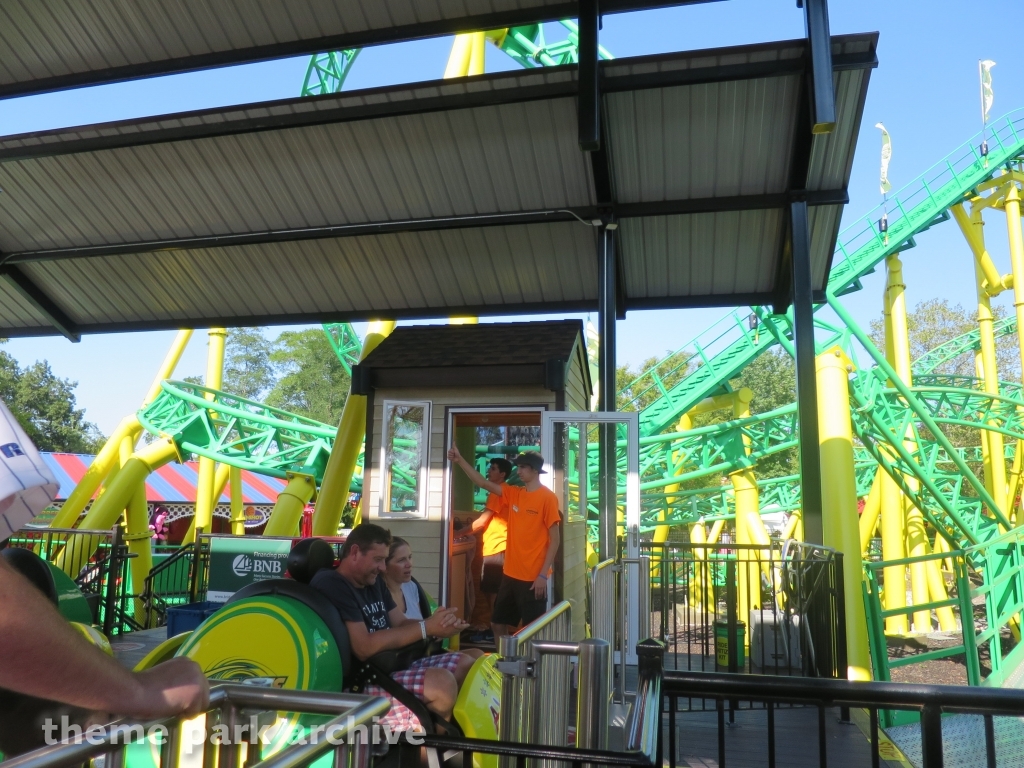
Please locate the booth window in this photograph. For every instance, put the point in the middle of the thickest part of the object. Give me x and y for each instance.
(404, 459)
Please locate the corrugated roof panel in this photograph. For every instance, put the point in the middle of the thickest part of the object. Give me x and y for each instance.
(824, 223)
(494, 159)
(700, 254)
(44, 38)
(406, 171)
(487, 267)
(832, 153)
(707, 140)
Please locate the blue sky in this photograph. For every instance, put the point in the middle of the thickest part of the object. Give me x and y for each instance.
(925, 90)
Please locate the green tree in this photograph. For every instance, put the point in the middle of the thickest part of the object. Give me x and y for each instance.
(248, 371)
(45, 406)
(312, 382)
(639, 388)
(936, 321)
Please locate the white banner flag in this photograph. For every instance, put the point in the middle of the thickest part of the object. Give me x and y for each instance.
(985, 69)
(883, 174)
(26, 483)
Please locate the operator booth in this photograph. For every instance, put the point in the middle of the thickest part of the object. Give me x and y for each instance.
(486, 388)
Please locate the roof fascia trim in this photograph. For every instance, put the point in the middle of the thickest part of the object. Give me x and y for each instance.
(343, 114)
(423, 313)
(141, 71)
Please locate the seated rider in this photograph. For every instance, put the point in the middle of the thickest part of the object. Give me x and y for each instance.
(375, 623)
(406, 591)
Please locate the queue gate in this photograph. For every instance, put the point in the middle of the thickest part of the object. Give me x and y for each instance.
(593, 466)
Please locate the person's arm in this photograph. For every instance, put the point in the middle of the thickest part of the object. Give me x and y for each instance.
(477, 479)
(540, 584)
(481, 522)
(44, 656)
(403, 632)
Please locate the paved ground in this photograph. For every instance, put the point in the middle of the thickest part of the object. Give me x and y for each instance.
(796, 740)
(131, 648)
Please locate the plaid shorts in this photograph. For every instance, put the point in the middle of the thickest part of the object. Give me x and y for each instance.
(400, 717)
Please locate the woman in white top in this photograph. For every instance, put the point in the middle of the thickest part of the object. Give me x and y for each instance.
(398, 576)
(405, 590)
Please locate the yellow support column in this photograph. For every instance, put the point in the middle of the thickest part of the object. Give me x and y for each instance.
(698, 535)
(869, 515)
(1013, 480)
(107, 509)
(749, 528)
(287, 512)
(107, 457)
(891, 512)
(334, 488)
(839, 499)
(97, 472)
(205, 501)
(990, 380)
(1013, 231)
(237, 503)
(917, 541)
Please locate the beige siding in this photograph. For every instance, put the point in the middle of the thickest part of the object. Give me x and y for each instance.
(577, 389)
(426, 536)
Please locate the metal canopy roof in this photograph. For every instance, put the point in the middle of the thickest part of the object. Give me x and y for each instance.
(47, 45)
(465, 196)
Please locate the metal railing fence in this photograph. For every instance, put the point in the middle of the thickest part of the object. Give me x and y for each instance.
(929, 702)
(536, 689)
(231, 706)
(772, 609)
(97, 561)
(986, 609)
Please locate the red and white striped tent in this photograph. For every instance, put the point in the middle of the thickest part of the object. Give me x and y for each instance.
(171, 484)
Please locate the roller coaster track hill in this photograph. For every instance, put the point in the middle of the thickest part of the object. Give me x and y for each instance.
(884, 415)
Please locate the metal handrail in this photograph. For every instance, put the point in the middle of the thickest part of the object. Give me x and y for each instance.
(227, 700)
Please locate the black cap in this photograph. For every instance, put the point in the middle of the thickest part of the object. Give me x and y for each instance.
(530, 459)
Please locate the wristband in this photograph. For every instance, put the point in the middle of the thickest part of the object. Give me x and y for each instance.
(542, 576)
(423, 629)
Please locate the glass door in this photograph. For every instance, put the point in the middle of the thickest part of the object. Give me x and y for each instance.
(593, 466)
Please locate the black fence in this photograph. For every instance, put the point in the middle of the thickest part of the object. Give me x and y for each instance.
(930, 702)
(773, 609)
(98, 562)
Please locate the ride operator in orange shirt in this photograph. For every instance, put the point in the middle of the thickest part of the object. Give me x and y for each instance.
(533, 540)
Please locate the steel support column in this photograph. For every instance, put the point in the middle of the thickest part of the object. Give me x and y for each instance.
(806, 384)
(607, 274)
(819, 41)
(589, 114)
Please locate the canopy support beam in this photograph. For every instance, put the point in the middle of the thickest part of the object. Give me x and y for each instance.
(607, 299)
(589, 109)
(819, 42)
(43, 304)
(806, 377)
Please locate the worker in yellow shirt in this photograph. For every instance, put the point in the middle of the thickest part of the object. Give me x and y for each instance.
(493, 522)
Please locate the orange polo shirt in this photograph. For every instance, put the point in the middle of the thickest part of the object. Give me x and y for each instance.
(496, 532)
(530, 515)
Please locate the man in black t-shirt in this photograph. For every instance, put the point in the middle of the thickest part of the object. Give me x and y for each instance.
(376, 624)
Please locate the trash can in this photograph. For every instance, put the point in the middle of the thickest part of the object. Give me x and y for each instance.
(722, 645)
(185, 618)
